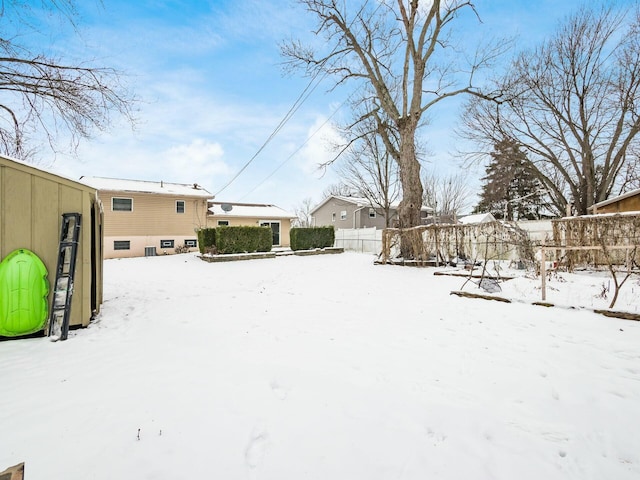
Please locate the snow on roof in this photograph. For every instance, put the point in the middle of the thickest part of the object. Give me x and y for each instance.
(248, 210)
(630, 213)
(362, 202)
(477, 218)
(143, 186)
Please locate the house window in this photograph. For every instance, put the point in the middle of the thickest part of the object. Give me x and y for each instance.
(121, 245)
(223, 223)
(372, 213)
(179, 206)
(166, 243)
(343, 215)
(121, 204)
(191, 243)
(333, 217)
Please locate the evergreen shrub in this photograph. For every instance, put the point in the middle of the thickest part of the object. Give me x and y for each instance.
(312, 237)
(243, 239)
(206, 239)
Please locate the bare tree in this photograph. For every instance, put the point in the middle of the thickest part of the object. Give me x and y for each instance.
(369, 169)
(572, 108)
(340, 189)
(629, 178)
(303, 214)
(448, 195)
(47, 95)
(397, 52)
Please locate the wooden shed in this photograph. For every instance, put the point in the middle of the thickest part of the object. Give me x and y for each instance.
(32, 202)
(627, 202)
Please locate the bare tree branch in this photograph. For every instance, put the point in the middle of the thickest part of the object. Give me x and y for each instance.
(42, 94)
(572, 106)
(396, 50)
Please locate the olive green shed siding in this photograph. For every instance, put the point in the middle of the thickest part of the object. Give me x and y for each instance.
(32, 202)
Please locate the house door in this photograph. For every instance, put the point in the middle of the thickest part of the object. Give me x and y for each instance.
(275, 229)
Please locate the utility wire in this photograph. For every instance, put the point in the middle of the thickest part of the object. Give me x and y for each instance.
(308, 90)
(295, 151)
(294, 108)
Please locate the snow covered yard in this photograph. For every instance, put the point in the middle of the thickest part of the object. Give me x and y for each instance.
(588, 289)
(324, 367)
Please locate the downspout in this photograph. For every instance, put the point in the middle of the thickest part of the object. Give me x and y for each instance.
(354, 215)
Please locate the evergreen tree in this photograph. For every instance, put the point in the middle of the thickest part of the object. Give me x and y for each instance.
(510, 190)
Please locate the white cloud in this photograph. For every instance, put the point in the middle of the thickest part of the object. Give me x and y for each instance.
(199, 158)
(321, 148)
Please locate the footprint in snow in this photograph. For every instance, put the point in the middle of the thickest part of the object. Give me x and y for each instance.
(278, 390)
(255, 450)
(436, 437)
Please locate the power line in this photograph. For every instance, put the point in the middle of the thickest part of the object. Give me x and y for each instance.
(295, 151)
(294, 108)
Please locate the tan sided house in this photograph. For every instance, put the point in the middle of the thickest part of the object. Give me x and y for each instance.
(253, 214)
(144, 218)
(32, 202)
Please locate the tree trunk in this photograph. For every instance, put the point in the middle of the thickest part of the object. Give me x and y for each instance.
(411, 203)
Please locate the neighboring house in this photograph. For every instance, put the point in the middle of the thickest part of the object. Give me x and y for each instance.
(253, 214)
(477, 218)
(144, 218)
(355, 212)
(627, 202)
(32, 202)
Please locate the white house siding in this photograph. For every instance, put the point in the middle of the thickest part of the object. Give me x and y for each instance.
(538, 230)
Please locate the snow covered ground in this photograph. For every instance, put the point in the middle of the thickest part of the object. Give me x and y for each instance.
(587, 289)
(323, 367)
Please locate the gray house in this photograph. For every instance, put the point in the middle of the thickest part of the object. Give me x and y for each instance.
(354, 212)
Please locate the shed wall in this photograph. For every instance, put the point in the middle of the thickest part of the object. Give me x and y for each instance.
(32, 202)
(630, 204)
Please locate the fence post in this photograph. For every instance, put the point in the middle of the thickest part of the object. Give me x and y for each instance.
(543, 271)
(385, 256)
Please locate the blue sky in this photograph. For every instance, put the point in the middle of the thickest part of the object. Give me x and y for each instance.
(213, 90)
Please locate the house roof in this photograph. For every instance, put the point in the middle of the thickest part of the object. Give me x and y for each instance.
(604, 203)
(142, 186)
(477, 218)
(248, 210)
(360, 202)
